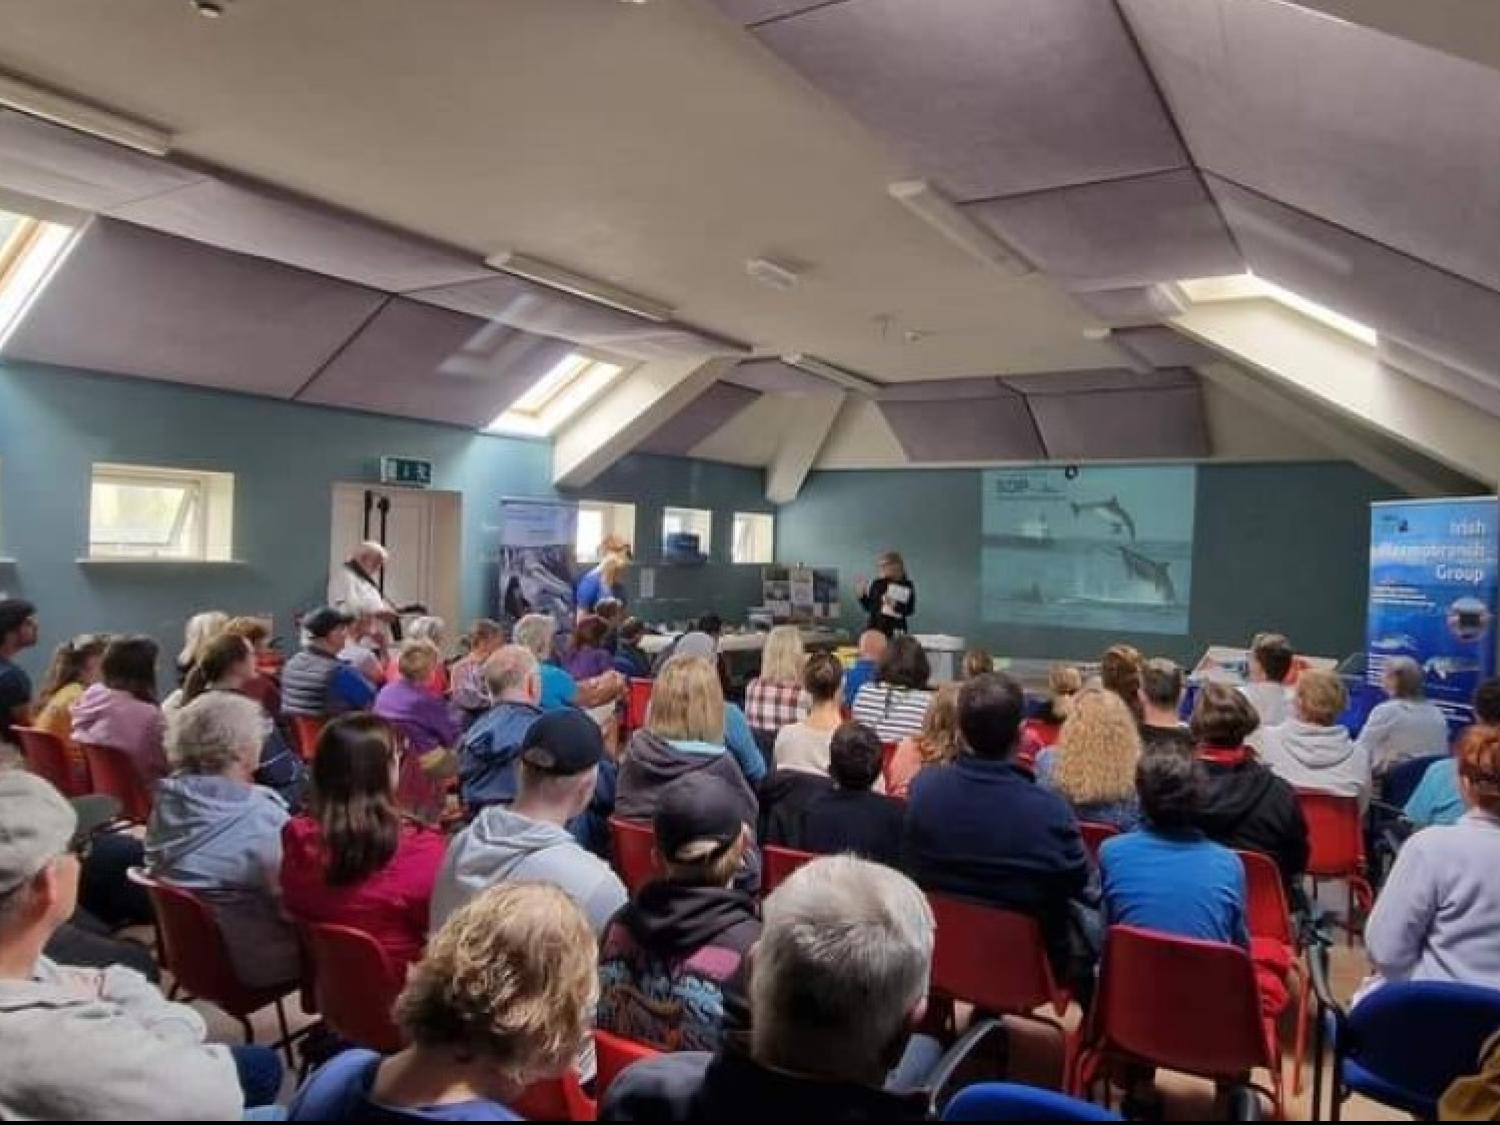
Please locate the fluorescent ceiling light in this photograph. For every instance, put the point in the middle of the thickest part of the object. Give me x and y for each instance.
(572, 384)
(928, 204)
(600, 292)
(846, 379)
(1247, 286)
(30, 252)
(61, 109)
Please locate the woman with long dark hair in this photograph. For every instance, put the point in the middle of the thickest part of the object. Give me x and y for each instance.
(122, 711)
(353, 859)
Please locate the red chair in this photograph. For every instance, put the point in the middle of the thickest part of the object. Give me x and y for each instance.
(634, 846)
(1335, 836)
(637, 704)
(613, 1053)
(556, 1099)
(1094, 836)
(355, 985)
(779, 863)
(1180, 1004)
(1273, 940)
(306, 729)
(47, 756)
(997, 961)
(191, 948)
(114, 774)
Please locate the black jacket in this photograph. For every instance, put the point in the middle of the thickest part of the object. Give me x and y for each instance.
(784, 795)
(875, 595)
(848, 820)
(1251, 809)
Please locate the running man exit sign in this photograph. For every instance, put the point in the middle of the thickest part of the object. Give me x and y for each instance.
(410, 471)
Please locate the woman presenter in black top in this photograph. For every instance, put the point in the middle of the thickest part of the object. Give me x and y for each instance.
(891, 598)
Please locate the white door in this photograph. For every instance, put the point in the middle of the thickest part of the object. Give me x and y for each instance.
(420, 530)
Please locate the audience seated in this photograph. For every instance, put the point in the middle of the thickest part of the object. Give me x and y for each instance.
(896, 703)
(1162, 689)
(739, 739)
(121, 710)
(587, 656)
(91, 1044)
(200, 630)
(612, 611)
(217, 834)
(76, 666)
(18, 630)
(1271, 659)
(872, 646)
(261, 686)
(1120, 672)
(491, 747)
(1439, 912)
(630, 659)
(1437, 799)
(977, 662)
(1093, 766)
(501, 1001)
(983, 829)
(1064, 681)
(1405, 726)
(851, 817)
(537, 632)
(776, 698)
(353, 859)
(1248, 808)
(937, 745)
(423, 630)
(527, 841)
(365, 648)
(1311, 750)
(315, 682)
(428, 727)
(674, 963)
(469, 693)
(803, 745)
(839, 982)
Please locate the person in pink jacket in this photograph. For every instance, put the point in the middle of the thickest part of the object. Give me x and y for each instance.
(122, 712)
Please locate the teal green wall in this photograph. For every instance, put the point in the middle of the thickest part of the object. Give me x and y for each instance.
(1281, 547)
(55, 423)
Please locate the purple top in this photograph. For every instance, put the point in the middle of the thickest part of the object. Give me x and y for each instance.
(588, 663)
(425, 719)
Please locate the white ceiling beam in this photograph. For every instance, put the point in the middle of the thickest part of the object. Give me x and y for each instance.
(635, 405)
(801, 442)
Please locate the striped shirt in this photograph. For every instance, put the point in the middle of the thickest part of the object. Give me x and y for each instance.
(769, 707)
(894, 712)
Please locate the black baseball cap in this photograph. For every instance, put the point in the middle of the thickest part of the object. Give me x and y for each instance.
(699, 806)
(563, 742)
(324, 620)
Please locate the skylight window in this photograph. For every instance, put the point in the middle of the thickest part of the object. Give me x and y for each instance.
(575, 381)
(30, 249)
(1244, 286)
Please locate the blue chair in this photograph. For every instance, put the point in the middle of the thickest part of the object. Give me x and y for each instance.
(1404, 1044)
(1007, 1101)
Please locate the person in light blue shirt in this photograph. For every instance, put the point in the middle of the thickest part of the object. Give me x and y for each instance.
(538, 632)
(872, 646)
(1437, 799)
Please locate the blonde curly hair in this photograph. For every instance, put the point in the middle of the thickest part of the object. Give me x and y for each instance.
(511, 978)
(1098, 750)
(940, 741)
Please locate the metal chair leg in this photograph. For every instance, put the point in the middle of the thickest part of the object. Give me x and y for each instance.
(286, 1035)
(247, 1027)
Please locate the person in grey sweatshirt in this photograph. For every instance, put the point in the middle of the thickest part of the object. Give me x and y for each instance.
(526, 842)
(85, 1044)
(1407, 725)
(1311, 750)
(217, 834)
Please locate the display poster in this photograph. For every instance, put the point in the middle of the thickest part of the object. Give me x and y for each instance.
(536, 559)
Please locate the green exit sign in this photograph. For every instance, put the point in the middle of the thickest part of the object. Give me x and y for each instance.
(412, 471)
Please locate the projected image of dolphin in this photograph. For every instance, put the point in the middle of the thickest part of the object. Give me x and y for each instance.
(1110, 512)
(1149, 570)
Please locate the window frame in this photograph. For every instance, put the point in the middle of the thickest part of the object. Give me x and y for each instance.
(595, 373)
(208, 500)
(734, 541)
(705, 539)
(613, 512)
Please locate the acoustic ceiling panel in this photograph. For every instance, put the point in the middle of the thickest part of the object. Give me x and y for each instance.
(1162, 227)
(1451, 319)
(774, 377)
(136, 302)
(698, 419)
(1107, 379)
(1113, 425)
(990, 429)
(1321, 114)
(417, 361)
(1165, 347)
(928, 390)
(268, 224)
(59, 165)
(757, 11)
(989, 98)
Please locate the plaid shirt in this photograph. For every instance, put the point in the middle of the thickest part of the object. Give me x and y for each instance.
(770, 707)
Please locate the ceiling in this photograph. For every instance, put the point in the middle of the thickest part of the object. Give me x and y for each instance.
(343, 168)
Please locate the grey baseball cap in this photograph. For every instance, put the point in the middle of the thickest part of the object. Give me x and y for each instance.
(38, 824)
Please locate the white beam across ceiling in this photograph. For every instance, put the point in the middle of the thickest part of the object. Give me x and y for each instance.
(801, 442)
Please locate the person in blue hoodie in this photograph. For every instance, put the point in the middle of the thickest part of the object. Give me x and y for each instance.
(490, 749)
(214, 832)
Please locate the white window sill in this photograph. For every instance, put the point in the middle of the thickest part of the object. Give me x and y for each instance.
(87, 561)
(6, 560)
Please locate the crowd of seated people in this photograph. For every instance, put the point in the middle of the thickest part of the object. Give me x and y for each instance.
(519, 934)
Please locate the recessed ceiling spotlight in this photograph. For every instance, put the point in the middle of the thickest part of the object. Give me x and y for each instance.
(209, 9)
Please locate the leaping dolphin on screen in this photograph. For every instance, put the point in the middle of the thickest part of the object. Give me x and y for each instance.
(1139, 566)
(1110, 512)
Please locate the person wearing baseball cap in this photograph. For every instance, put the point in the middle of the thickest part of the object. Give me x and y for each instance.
(528, 840)
(88, 1043)
(685, 939)
(315, 682)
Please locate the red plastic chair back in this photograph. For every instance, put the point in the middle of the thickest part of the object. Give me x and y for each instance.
(779, 863)
(1186, 1005)
(356, 986)
(637, 703)
(994, 959)
(1094, 836)
(1334, 834)
(1267, 914)
(114, 774)
(48, 757)
(556, 1099)
(612, 1054)
(306, 729)
(634, 846)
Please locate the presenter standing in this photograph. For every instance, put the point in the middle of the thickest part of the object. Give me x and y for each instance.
(891, 598)
(355, 588)
(604, 581)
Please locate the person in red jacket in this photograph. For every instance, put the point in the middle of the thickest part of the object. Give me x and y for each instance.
(353, 859)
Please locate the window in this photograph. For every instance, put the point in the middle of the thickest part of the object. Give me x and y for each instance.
(678, 522)
(572, 383)
(754, 537)
(1242, 286)
(30, 250)
(598, 519)
(139, 512)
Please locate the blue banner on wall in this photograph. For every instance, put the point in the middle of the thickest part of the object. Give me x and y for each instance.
(1433, 585)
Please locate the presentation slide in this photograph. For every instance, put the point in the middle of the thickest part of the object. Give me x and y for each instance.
(1109, 547)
